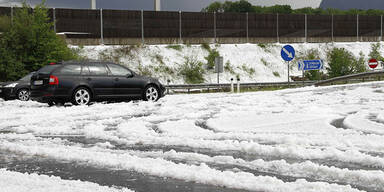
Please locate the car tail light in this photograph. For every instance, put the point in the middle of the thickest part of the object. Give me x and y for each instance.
(52, 63)
(53, 80)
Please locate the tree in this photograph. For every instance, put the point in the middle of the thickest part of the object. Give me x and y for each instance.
(241, 6)
(214, 7)
(30, 43)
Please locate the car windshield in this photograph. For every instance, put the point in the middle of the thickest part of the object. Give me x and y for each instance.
(27, 77)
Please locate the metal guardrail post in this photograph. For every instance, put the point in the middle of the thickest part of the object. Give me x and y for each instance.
(142, 27)
(168, 81)
(54, 19)
(101, 27)
(238, 85)
(232, 86)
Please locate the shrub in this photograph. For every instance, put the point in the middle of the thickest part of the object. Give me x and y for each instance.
(375, 52)
(192, 71)
(206, 46)
(175, 47)
(211, 58)
(251, 71)
(264, 62)
(276, 74)
(342, 62)
(229, 68)
(30, 43)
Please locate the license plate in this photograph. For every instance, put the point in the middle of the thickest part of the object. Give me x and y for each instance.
(39, 82)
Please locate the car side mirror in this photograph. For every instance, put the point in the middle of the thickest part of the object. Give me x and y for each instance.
(129, 75)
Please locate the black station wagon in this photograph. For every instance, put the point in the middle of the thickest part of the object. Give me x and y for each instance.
(83, 82)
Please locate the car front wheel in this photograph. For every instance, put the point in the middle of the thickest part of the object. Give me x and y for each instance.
(151, 93)
(23, 95)
(81, 96)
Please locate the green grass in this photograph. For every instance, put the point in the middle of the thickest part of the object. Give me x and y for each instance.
(175, 47)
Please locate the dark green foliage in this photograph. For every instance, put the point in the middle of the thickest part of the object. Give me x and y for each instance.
(192, 71)
(243, 6)
(211, 58)
(213, 53)
(375, 52)
(206, 46)
(175, 47)
(342, 62)
(30, 43)
(229, 68)
(276, 74)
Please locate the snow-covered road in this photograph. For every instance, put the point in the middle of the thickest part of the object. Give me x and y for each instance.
(324, 139)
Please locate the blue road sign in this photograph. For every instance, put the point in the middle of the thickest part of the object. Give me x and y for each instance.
(288, 53)
(310, 65)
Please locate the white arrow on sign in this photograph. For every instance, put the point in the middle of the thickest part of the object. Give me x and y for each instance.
(288, 53)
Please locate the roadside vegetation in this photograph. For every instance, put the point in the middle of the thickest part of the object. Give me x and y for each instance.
(244, 6)
(342, 62)
(29, 42)
(192, 71)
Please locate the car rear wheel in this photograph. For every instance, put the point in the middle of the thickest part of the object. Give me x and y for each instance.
(151, 93)
(81, 96)
(23, 95)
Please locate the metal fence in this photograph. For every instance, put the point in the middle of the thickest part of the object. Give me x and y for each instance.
(143, 25)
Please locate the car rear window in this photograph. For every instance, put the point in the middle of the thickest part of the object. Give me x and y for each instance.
(70, 70)
(98, 69)
(48, 68)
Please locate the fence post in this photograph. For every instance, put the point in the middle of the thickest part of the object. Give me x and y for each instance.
(381, 28)
(357, 27)
(142, 27)
(11, 14)
(214, 25)
(54, 19)
(306, 28)
(332, 29)
(101, 27)
(180, 38)
(247, 28)
(277, 28)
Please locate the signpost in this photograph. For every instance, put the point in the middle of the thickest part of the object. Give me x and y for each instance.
(219, 67)
(373, 63)
(288, 54)
(308, 65)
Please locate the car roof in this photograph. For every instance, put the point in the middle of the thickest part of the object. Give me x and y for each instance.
(85, 62)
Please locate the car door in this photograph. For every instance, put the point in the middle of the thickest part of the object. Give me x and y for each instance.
(126, 83)
(68, 76)
(96, 76)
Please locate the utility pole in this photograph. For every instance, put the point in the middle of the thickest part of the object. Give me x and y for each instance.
(93, 4)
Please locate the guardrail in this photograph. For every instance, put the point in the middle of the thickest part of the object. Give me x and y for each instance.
(227, 86)
(359, 77)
